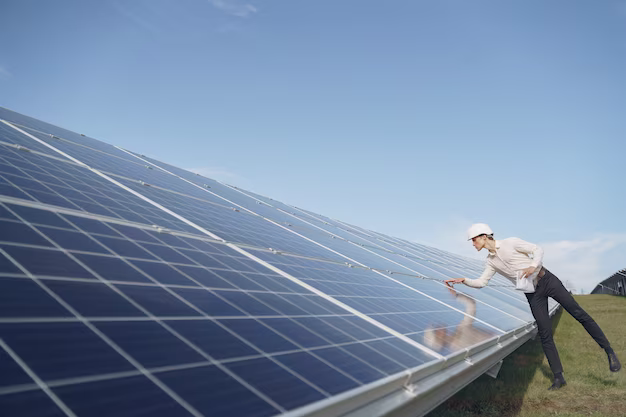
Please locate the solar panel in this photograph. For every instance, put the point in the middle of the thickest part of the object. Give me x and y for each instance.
(132, 287)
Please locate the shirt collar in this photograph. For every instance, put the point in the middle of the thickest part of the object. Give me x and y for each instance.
(498, 244)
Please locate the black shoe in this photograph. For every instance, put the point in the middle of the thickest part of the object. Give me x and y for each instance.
(614, 364)
(558, 383)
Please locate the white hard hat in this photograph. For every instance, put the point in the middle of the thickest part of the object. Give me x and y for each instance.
(478, 229)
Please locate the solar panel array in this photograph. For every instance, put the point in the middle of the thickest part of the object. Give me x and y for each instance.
(132, 287)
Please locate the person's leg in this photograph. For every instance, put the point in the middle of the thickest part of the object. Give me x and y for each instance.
(555, 289)
(538, 302)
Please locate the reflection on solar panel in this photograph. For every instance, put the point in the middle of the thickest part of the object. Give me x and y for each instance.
(132, 287)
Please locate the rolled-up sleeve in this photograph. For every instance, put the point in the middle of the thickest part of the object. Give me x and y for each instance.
(530, 249)
(483, 279)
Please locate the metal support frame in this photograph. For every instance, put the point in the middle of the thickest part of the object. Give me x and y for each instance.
(494, 370)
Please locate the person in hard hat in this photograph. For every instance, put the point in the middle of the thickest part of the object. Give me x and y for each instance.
(513, 256)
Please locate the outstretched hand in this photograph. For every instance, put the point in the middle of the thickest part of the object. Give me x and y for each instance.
(450, 282)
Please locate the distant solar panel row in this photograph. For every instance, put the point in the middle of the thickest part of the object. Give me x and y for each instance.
(131, 287)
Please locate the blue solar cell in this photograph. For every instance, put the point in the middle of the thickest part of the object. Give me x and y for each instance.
(238, 280)
(398, 355)
(212, 339)
(271, 283)
(92, 226)
(278, 384)
(204, 246)
(214, 393)
(234, 263)
(20, 233)
(172, 240)
(202, 259)
(150, 343)
(10, 135)
(21, 297)
(12, 373)
(124, 248)
(296, 332)
(163, 273)
(9, 171)
(47, 262)
(251, 266)
(94, 299)
(73, 240)
(157, 301)
(112, 269)
(308, 303)
(50, 198)
(26, 183)
(374, 358)
(332, 307)
(280, 304)
(74, 349)
(208, 302)
(204, 277)
(396, 322)
(293, 286)
(325, 330)
(367, 326)
(247, 303)
(29, 404)
(361, 304)
(134, 233)
(350, 328)
(165, 253)
(409, 349)
(8, 267)
(12, 191)
(350, 364)
(38, 216)
(123, 397)
(94, 208)
(6, 214)
(62, 189)
(259, 335)
(324, 376)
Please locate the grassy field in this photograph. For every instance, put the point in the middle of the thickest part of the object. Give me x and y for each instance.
(521, 387)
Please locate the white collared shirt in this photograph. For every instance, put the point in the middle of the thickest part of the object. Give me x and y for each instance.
(511, 255)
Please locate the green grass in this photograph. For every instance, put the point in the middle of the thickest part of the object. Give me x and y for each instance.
(521, 387)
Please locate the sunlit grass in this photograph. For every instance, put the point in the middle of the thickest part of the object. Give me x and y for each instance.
(521, 387)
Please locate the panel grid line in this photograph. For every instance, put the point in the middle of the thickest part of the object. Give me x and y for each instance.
(263, 354)
(107, 340)
(38, 381)
(147, 313)
(245, 253)
(134, 273)
(417, 273)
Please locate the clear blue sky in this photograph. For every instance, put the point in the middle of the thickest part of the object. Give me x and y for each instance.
(413, 118)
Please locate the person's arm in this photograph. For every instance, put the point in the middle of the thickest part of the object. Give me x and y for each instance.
(530, 249)
(481, 281)
(475, 283)
(470, 309)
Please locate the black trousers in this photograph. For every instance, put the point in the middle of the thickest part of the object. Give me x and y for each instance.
(550, 286)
